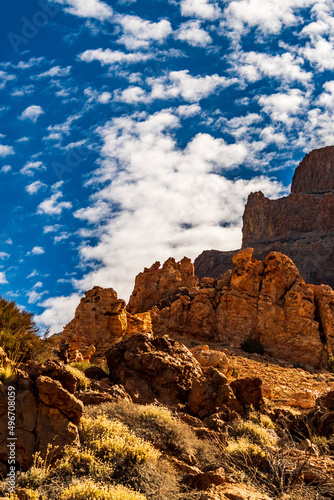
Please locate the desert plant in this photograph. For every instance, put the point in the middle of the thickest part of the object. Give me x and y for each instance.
(81, 365)
(89, 490)
(82, 462)
(255, 433)
(83, 381)
(18, 332)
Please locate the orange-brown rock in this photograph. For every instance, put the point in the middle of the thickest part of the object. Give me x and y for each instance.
(264, 300)
(160, 369)
(100, 320)
(46, 412)
(300, 225)
(156, 283)
(208, 357)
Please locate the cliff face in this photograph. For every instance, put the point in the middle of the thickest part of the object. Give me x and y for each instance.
(300, 225)
(263, 300)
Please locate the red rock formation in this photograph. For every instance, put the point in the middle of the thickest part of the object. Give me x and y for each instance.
(155, 283)
(100, 320)
(265, 300)
(300, 225)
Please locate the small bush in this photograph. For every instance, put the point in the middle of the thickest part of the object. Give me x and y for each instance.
(83, 381)
(112, 440)
(253, 346)
(89, 490)
(82, 462)
(243, 450)
(255, 433)
(159, 426)
(7, 373)
(262, 420)
(81, 365)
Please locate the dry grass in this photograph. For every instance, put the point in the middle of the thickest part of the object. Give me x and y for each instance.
(83, 381)
(89, 490)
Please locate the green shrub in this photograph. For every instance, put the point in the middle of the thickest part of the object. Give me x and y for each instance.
(89, 490)
(18, 332)
(84, 382)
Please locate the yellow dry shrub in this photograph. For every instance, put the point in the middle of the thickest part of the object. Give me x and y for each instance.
(112, 440)
(255, 433)
(156, 413)
(81, 461)
(88, 490)
(242, 450)
(83, 381)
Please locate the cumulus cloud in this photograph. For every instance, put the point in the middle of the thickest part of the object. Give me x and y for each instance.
(6, 151)
(204, 9)
(53, 205)
(269, 16)
(169, 201)
(4, 255)
(284, 106)
(286, 67)
(4, 78)
(138, 33)
(37, 251)
(3, 279)
(55, 72)
(32, 113)
(95, 9)
(111, 57)
(58, 312)
(192, 33)
(32, 167)
(34, 187)
(177, 85)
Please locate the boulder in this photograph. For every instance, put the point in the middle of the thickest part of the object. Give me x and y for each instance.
(208, 357)
(51, 393)
(248, 391)
(100, 320)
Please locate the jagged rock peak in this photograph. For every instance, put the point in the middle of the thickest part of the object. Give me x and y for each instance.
(156, 282)
(315, 173)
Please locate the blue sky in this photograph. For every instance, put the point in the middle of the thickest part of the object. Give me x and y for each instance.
(132, 131)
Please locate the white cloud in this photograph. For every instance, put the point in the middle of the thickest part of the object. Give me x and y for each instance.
(56, 71)
(176, 85)
(286, 67)
(269, 16)
(32, 113)
(284, 107)
(138, 33)
(192, 33)
(4, 78)
(205, 9)
(170, 201)
(51, 229)
(37, 251)
(34, 187)
(32, 167)
(3, 279)
(6, 151)
(110, 57)
(52, 205)
(4, 255)
(34, 296)
(88, 8)
(100, 210)
(58, 312)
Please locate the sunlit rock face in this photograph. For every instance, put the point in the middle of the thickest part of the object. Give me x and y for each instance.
(300, 225)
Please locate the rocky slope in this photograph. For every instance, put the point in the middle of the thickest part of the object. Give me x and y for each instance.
(263, 301)
(300, 225)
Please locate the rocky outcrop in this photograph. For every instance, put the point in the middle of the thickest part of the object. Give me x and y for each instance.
(100, 320)
(158, 283)
(46, 413)
(159, 369)
(300, 225)
(263, 300)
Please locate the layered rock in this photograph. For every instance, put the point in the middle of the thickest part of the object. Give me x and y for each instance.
(46, 413)
(300, 225)
(100, 320)
(263, 300)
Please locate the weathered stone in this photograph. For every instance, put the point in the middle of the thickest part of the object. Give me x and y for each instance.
(208, 357)
(101, 320)
(54, 395)
(327, 400)
(54, 428)
(204, 480)
(248, 391)
(266, 301)
(95, 373)
(156, 283)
